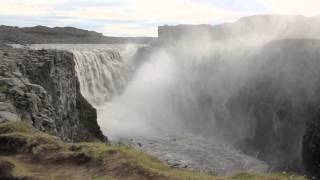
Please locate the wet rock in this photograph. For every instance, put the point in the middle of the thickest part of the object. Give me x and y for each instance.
(198, 153)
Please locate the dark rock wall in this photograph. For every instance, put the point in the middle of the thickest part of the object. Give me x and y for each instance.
(268, 107)
(281, 101)
(43, 89)
(274, 114)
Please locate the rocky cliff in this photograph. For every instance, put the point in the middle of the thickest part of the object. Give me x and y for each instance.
(269, 107)
(62, 35)
(41, 88)
(280, 105)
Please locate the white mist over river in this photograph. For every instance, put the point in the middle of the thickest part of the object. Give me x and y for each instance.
(154, 106)
(234, 97)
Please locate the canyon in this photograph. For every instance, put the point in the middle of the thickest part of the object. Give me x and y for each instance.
(228, 98)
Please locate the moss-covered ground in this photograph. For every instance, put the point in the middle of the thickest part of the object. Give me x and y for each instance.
(26, 153)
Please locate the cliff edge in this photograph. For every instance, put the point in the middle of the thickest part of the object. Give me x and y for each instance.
(42, 89)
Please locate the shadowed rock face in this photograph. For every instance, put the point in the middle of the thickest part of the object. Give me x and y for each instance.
(273, 110)
(265, 102)
(311, 143)
(279, 106)
(41, 87)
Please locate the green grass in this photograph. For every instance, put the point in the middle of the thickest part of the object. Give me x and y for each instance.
(139, 159)
(103, 178)
(275, 176)
(121, 155)
(16, 126)
(18, 169)
(35, 141)
(96, 151)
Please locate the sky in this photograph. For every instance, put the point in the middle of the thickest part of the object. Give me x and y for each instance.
(142, 17)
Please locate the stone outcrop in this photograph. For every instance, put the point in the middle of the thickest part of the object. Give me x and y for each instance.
(41, 87)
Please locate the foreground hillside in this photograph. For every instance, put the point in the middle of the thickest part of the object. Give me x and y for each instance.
(26, 153)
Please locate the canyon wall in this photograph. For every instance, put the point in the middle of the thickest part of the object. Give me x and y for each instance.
(41, 88)
(254, 83)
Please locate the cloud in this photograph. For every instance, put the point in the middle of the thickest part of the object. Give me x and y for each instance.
(175, 11)
(237, 5)
(301, 7)
(141, 17)
(25, 7)
(129, 30)
(156, 12)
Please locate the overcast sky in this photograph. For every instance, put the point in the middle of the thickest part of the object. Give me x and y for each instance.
(141, 17)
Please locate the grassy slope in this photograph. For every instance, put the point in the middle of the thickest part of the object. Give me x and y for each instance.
(30, 154)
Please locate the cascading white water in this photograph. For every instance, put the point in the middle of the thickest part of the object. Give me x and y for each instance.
(157, 105)
(103, 70)
(101, 73)
(166, 109)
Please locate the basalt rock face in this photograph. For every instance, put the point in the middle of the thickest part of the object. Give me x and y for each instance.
(272, 111)
(41, 87)
(279, 104)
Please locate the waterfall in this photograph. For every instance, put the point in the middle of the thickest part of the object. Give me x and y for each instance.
(102, 74)
(170, 108)
(168, 105)
(103, 70)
